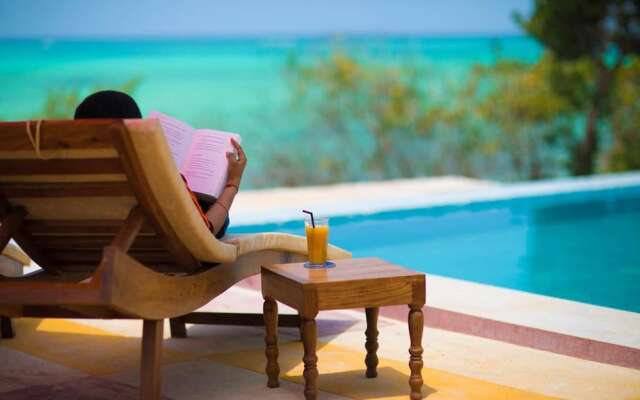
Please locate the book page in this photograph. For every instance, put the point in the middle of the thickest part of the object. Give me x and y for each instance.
(179, 136)
(206, 164)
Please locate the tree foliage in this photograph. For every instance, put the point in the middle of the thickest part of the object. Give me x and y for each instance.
(602, 33)
(371, 113)
(529, 119)
(625, 120)
(61, 103)
(506, 120)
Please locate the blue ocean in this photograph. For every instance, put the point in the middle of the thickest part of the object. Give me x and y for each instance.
(233, 84)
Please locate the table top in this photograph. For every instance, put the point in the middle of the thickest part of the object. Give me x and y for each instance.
(351, 269)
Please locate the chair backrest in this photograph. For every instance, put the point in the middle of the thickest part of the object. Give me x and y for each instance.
(78, 181)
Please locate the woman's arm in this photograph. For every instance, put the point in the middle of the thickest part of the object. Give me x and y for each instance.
(219, 211)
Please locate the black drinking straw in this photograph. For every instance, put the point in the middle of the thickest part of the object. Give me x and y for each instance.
(313, 222)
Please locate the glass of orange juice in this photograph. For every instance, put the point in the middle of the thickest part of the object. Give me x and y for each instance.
(317, 231)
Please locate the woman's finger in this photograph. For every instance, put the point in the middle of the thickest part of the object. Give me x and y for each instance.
(238, 148)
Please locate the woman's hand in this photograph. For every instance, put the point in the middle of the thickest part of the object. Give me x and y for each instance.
(237, 162)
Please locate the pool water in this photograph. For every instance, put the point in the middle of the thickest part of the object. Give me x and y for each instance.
(582, 246)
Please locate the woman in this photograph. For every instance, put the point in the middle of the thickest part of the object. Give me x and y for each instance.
(112, 104)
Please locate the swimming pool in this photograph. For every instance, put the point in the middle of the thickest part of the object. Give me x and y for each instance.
(582, 246)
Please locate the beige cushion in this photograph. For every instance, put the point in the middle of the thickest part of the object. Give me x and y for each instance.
(13, 252)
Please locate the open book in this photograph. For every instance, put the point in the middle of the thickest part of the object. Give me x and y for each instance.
(200, 154)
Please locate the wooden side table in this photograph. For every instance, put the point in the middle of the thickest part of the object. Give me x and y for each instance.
(366, 282)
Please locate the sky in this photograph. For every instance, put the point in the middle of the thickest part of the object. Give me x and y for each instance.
(130, 18)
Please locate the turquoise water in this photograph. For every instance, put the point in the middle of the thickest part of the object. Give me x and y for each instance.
(582, 246)
(238, 85)
(201, 80)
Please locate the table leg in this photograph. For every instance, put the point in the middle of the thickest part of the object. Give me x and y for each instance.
(371, 360)
(310, 359)
(270, 313)
(300, 326)
(415, 351)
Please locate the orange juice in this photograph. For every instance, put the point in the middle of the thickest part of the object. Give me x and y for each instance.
(317, 239)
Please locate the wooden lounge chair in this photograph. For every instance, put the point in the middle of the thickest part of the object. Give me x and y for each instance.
(100, 206)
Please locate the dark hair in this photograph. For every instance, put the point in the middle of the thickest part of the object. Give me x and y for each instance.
(108, 104)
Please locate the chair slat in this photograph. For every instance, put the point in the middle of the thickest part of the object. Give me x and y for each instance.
(94, 256)
(70, 254)
(94, 242)
(45, 227)
(59, 135)
(60, 166)
(76, 208)
(66, 189)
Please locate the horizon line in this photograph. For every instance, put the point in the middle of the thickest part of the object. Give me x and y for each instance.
(281, 36)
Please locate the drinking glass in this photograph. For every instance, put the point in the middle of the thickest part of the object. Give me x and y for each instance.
(317, 241)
